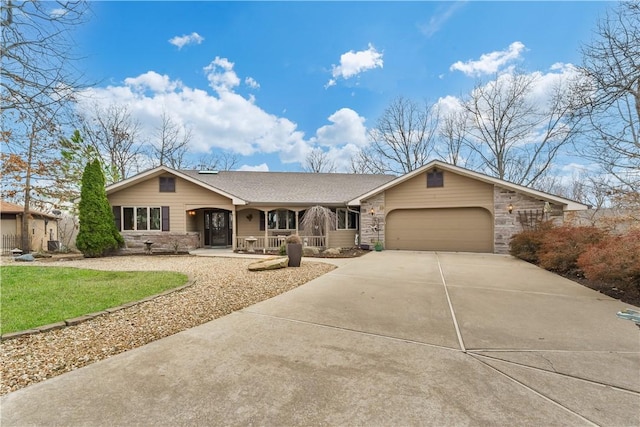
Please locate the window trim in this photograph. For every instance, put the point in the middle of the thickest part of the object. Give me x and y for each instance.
(348, 214)
(291, 217)
(435, 178)
(162, 226)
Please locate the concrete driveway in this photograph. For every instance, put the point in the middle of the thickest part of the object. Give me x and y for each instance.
(389, 339)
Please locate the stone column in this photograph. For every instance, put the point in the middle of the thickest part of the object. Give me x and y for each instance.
(368, 235)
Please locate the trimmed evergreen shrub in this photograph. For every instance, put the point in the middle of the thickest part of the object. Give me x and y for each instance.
(98, 234)
(614, 261)
(561, 247)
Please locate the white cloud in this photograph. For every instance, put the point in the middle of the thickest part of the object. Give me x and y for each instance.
(490, 63)
(346, 127)
(438, 20)
(353, 63)
(152, 81)
(257, 168)
(252, 83)
(181, 41)
(225, 120)
(221, 76)
(58, 12)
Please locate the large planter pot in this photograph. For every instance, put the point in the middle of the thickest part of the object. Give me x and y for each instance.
(294, 252)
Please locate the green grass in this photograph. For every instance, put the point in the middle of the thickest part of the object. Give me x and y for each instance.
(36, 296)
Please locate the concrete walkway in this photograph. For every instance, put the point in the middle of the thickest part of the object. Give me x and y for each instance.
(389, 339)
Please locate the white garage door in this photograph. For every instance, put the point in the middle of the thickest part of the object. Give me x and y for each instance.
(451, 229)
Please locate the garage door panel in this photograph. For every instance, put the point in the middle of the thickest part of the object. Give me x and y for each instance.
(454, 229)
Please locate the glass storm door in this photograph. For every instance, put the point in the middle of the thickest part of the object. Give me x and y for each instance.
(216, 228)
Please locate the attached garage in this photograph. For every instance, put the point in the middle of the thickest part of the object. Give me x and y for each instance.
(444, 229)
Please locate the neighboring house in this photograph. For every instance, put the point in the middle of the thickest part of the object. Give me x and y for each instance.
(43, 228)
(437, 207)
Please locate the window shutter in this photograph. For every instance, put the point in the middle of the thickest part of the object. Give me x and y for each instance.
(261, 215)
(117, 219)
(165, 218)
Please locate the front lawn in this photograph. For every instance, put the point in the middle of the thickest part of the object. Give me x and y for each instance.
(35, 296)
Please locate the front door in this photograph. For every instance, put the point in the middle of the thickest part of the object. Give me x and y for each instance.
(217, 228)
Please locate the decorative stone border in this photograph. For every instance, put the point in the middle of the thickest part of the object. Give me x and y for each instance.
(86, 317)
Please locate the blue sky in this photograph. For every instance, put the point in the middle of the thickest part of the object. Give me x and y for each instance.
(269, 81)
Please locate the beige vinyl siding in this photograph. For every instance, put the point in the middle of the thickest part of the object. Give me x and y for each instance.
(9, 226)
(187, 196)
(440, 229)
(455, 217)
(458, 191)
(246, 227)
(342, 238)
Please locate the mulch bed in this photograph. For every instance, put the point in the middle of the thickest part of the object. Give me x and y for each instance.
(626, 296)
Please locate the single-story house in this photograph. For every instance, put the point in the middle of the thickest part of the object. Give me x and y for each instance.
(43, 228)
(436, 207)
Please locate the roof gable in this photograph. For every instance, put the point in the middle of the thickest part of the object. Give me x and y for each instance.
(569, 205)
(160, 170)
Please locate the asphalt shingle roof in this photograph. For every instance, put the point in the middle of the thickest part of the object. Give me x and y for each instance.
(291, 187)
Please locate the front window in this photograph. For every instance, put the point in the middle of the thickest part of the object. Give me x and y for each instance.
(141, 218)
(346, 220)
(281, 219)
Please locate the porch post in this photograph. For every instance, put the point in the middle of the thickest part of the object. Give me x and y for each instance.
(297, 223)
(234, 226)
(266, 231)
(326, 233)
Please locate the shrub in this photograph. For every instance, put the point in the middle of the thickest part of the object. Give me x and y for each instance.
(283, 249)
(294, 238)
(526, 244)
(561, 247)
(615, 261)
(98, 233)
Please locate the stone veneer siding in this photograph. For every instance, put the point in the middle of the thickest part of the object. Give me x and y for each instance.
(507, 224)
(368, 236)
(164, 241)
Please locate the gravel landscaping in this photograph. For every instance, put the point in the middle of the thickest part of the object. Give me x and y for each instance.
(222, 285)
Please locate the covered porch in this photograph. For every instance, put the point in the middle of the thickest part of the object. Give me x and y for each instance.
(267, 227)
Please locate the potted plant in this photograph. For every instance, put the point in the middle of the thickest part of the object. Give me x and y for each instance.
(294, 250)
(378, 246)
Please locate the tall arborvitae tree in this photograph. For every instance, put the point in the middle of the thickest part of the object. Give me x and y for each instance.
(98, 234)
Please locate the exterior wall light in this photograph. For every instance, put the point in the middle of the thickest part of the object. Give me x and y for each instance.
(191, 213)
(372, 212)
(510, 208)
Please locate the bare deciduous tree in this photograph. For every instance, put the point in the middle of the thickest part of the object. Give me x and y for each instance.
(317, 220)
(451, 146)
(611, 93)
(37, 54)
(115, 135)
(37, 83)
(222, 162)
(402, 139)
(318, 161)
(171, 143)
(515, 137)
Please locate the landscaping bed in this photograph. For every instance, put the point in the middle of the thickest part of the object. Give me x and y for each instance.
(221, 286)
